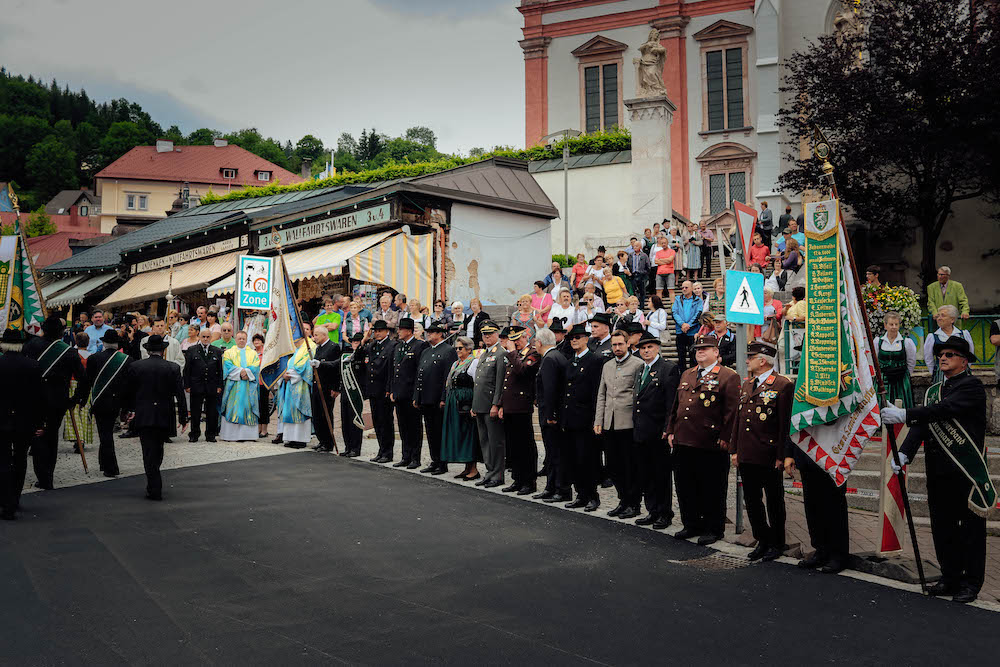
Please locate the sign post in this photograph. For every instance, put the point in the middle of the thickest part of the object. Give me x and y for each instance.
(253, 282)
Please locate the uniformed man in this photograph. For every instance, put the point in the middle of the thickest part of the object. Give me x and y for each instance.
(952, 426)
(21, 417)
(600, 336)
(357, 360)
(406, 356)
(757, 446)
(59, 363)
(155, 390)
(428, 392)
(549, 382)
(613, 424)
(108, 373)
(381, 351)
(655, 390)
(576, 416)
(727, 340)
(562, 345)
(634, 331)
(700, 425)
(486, 396)
(203, 383)
(325, 388)
(516, 406)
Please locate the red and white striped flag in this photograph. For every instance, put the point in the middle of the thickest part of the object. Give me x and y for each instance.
(890, 498)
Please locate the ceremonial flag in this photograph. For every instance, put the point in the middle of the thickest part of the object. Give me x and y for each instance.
(890, 497)
(284, 333)
(19, 294)
(835, 412)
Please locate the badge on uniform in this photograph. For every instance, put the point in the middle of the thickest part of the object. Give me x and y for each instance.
(768, 396)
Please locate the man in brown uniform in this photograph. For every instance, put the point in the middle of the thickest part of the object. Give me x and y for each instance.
(516, 405)
(700, 425)
(758, 447)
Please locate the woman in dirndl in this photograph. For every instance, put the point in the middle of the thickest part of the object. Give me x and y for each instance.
(459, 440)
(897, 356)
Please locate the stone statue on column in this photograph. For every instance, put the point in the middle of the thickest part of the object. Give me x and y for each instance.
(649, 67)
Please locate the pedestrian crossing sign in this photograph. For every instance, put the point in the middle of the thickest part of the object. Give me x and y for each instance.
(744, 297)
(254, 286)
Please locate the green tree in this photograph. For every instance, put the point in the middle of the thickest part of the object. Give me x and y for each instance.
(344, 161)
(309, 147)
(63, 130)
(251, 140)
(422, 135)
(17, 135)
(403, 150)
(175, 135)
(51, 167)
(122, 137)
(88, 150)
(477, 151)
(202, 137)
(347, 143)
(369, 146)
(39, 224)
(21, 98)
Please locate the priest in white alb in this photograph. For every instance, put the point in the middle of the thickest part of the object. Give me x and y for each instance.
(240, 404)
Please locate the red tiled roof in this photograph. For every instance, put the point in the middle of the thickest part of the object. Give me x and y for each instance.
(52, 248)
(196, 164)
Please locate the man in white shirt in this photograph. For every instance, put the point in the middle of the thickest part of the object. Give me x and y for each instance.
(173, 352)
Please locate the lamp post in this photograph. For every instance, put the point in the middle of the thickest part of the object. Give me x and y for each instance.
(565, 134)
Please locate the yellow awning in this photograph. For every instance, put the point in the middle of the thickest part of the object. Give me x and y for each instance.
(404, 263)
(186, 278)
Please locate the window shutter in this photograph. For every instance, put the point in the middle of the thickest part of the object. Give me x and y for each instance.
(592, 98)
(734, 88)
(610, 96)
(713, 68)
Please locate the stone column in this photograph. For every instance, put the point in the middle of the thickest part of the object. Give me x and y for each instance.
(649, 122)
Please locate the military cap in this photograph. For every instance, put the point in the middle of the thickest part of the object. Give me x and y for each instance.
(515, 331)
(489, 326)
(706, 340)
(762, 347)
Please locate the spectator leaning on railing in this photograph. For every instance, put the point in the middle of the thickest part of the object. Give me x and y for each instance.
(947, 292)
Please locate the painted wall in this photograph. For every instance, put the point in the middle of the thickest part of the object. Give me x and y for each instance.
(161, 196)
(494, 255)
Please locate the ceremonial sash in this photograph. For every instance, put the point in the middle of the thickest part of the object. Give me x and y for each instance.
(109, 371)
(958, 445)
(352, 390)
(51, 355)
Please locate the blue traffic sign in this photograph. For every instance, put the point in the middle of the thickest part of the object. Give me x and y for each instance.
(744, 297)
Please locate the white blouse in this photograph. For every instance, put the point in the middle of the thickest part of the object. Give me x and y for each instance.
(930, 340)
(882, 342)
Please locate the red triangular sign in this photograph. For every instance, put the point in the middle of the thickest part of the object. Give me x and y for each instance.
(746, 221)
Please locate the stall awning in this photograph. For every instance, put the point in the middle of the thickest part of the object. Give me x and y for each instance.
(404, 263)
(186, 278)
(53, 288)
(324, 260)
(78, 292)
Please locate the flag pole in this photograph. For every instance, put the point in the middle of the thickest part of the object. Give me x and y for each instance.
(319, 384)
(822, 150)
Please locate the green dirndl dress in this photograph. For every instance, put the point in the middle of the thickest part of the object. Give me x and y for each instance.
(895, 374)
(459, 436)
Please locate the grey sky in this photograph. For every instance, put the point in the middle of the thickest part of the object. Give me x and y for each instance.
(290, 67)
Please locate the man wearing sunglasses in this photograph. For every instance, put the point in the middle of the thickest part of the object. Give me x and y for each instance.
(952, 426)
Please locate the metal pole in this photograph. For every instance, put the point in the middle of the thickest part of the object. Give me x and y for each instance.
(566, 196)
(741, 369)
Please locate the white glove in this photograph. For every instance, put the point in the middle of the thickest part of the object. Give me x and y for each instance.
(903, 460)
(893, 415)
(314, 363)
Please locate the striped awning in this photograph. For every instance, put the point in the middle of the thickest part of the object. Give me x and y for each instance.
(186, 278)
(79, 291)
(53, 288)
(324, 260)
(404, 263)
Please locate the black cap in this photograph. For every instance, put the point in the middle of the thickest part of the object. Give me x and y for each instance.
(406, 323)
(357, 337)
(489, 326)
(647, 338)
(156, 343)
(958, 344)
(53, 324)
(13, 336)
(515, 331)
(380, 325)
(110, 338)
(762, 347)
(633, 328)
(557, 325)
(601, 318)
(578, 330)
(505, 332)
(437, 327)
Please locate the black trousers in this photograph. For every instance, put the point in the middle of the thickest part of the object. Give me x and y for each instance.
(761, 482)
(151, 440)
(552, 441)
(623, 463)
(586, 456)
(265, 408)
(959, 533)
(826, 510)
(13, 466)
(654, 463)
(351, 433)
(702, 477)
(706, 260)
(522, 452)
(684, 343)
(207, 402)
(44, 448)
(640, 281)
(434, 423)
(107, 460)
(385, 430)
(410, 431)
(324, 434)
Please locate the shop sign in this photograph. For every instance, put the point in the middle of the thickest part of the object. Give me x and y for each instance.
(339, 224)
(200, 252)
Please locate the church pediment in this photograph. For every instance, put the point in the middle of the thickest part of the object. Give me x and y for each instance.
(599, 45)
(723, 30)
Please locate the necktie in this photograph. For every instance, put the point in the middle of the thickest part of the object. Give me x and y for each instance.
(645, 376)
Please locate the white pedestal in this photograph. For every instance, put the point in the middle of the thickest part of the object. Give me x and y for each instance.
(650, 119)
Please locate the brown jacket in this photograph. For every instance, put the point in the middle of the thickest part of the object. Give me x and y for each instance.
(519, 382)
(762, 420)
(705, 409)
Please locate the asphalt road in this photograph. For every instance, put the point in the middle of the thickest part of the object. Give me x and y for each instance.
(311, 559)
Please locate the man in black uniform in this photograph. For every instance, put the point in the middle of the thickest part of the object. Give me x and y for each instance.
(400, 387)
(21, 413)
(516, 406)
(59, 363)
(108, 373)
(655, 387)
(381, 352)
(549, 383)
(326, 367)
(576, 416)
(358, 361)
(428, 392)
(154, 387)
(600, 336)
(634, 331)
(203, 382)
(562, 344)
(952, 427)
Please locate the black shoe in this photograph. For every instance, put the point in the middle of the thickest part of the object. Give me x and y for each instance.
(210, 440)
(154, 496)
(441, 470)
(413, 465)
(39, 485)
(193, 438)
(685, 533)
(482, 482)
(8, 515)
(460, 475)
(514, 486)
(592, 506)
(662, 522)
(647, 520)
(759, 552)
(544, 495)
(773, 553)
(295, 445)
(812, 562)
(629, 513)
(493, 483)
(430, 468)
(316, 448)
(607, 484)
(556, 498)
(711, 538)
(383, 459)
(617, 510)
(579, 502)
(965, 595)
(344, 453)
(526, 490)
(401, 464)
(473, 478)
(942, 588)
(833, 566)
(111, 474)
(277, 441)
